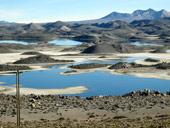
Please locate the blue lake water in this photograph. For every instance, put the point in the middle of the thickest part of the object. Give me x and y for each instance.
(144, 43)
(99, 82)
(168, 51)
(137, 43)
(16, 42)
(56, 42)
(65, 42)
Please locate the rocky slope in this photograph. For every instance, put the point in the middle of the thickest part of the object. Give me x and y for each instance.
(129, 17)
(111, 48)
(40, 59)
(110, 29)
(13, 68)
(137, 15)
(136, 109)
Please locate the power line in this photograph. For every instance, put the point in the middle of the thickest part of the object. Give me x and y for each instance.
(18, 98)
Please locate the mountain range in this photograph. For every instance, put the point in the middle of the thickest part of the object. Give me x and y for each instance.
(111, 28)
(149, 14)
(4, 22)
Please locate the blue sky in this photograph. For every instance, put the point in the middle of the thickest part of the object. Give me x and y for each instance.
(71, 10)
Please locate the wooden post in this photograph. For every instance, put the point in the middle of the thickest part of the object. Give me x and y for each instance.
(18, 98)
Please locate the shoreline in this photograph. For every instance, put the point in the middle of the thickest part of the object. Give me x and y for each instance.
(158, 74)
(138, 72)
(58, 91)
(57, 108)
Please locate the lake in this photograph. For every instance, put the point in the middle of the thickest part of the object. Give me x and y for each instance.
(16, 42)
(99, 82)
(137, 43)
(143, 43)
(66, 42)
(168, 51)
(56, 42)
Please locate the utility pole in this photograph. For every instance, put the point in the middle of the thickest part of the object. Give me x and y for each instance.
(18, 98)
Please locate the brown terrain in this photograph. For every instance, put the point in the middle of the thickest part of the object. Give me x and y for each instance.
(48, 108)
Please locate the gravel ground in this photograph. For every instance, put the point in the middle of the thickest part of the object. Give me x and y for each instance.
(136, 109)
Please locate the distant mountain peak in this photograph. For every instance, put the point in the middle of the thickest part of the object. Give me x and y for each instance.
(165, 12)
(137, 15)
(57, 24)
(148, 14)
(150, 9)
(140, 10)
(6, 22)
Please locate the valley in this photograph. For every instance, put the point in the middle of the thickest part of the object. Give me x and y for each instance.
(109, 72)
